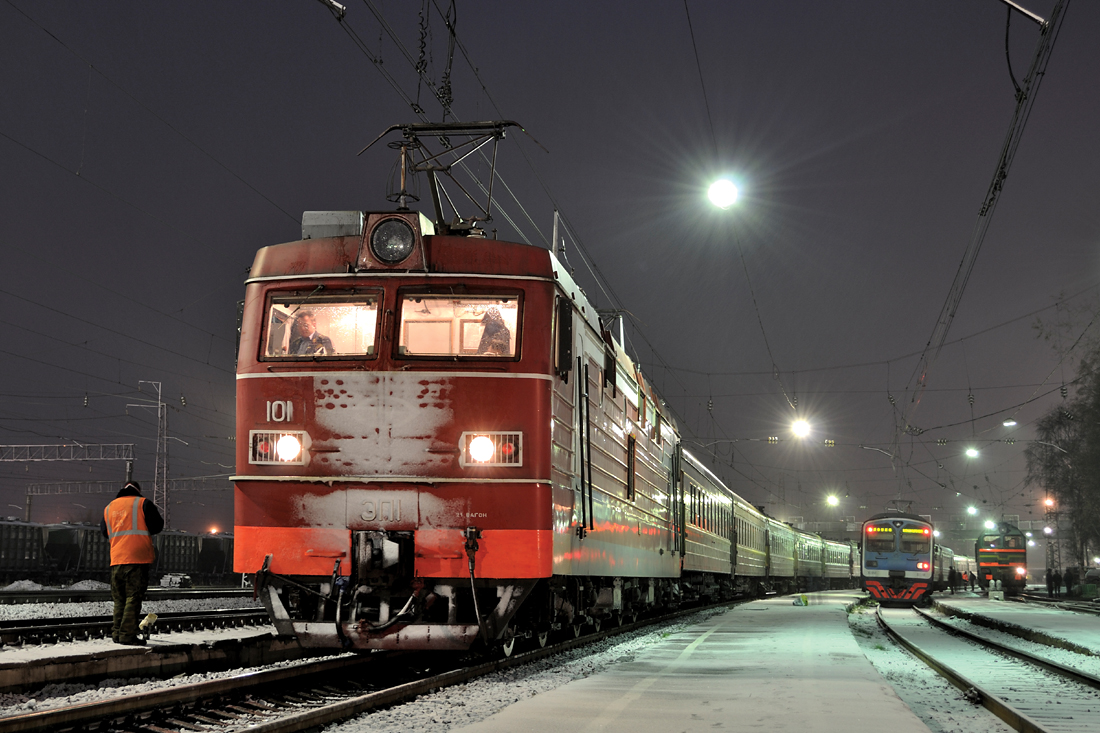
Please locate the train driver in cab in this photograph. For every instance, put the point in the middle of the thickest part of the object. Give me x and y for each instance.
(306, 341)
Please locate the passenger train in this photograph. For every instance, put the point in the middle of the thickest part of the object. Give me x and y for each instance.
(439, 443)
(897, 558)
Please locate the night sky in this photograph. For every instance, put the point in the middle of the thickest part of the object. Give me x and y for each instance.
(149, 149)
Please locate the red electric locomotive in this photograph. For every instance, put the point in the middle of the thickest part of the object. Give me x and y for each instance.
(438, 441)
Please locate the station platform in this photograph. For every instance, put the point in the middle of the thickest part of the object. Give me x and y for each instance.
(766, 665)
(32, 666)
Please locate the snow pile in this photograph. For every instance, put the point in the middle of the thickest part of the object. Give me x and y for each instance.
(24, 585)
(89, 585)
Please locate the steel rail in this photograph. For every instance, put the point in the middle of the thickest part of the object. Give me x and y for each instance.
(55, 595)
(1065, 604)
(1083, 678)
(974, 691)
(80, 716)
(85, 627)
(75, 716)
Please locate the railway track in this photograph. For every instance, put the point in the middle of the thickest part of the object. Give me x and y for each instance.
(1066, 604)
(297, 698)
(1029, 693)
(62, 595)
(49, 631)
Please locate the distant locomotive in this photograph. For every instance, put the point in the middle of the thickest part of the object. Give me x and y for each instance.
(897, 558)
(438, 442)
(1001, 554)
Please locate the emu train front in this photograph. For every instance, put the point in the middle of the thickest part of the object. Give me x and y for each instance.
(897, 558)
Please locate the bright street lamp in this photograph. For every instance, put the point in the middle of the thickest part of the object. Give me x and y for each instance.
(722, 193)
(972, 452)
(971, 510)
(800, 428)
(832, 501)
(1009, 423)
(989, 524)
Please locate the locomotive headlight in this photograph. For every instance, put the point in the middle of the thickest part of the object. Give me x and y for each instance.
(482, 448)
(491, 448)
(281, 447)
(392, 241)
(288, 448)
(1021, 570)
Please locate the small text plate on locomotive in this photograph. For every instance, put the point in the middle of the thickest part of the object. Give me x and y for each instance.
(382, 508)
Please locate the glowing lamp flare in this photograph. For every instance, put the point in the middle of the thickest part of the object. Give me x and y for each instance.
(288, 448)
(482, 449)
(800, 428)
(833, 501)
(722, 193)
(1021, 571)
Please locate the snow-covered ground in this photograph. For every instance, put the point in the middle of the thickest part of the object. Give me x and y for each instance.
(937, 703)
(458, 705)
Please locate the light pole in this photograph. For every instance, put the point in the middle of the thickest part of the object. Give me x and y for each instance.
(1054, 547)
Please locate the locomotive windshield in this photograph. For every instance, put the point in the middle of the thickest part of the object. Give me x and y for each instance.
(482, 326)
(879, 539)
(1008, 542)
(915, 540)
(305, 326)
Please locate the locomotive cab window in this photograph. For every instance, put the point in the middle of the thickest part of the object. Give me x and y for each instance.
(879, 539)
(916, 540)
(448, 326)
(307, 326)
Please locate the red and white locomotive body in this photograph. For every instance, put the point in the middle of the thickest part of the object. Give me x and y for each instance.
(433, 434)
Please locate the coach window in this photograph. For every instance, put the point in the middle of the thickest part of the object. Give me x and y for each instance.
(479, 326)
(304, 325)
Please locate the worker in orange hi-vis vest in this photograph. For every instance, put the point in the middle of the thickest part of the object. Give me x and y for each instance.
(129, 522)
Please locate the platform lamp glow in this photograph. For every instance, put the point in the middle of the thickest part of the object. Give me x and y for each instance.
(800, 428)
(722, 193)
(972, 510)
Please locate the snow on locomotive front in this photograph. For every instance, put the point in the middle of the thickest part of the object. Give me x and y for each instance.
(380, 397)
